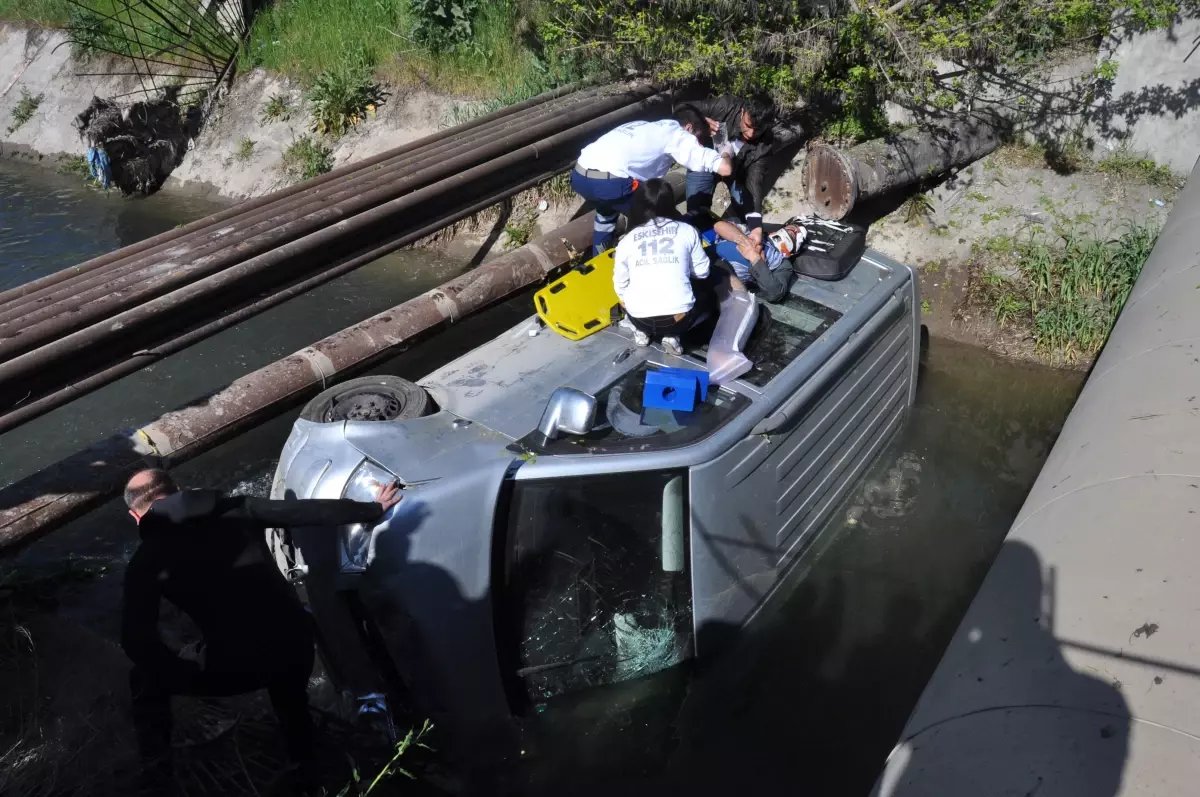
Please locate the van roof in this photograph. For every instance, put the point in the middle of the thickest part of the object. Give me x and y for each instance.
(504, 383)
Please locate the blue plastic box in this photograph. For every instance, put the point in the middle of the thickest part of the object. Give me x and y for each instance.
(676, 389)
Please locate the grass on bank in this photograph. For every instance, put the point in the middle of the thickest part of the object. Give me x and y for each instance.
(1126, 165)
(48, 13)
(24, 110)
(304, 38)
(1065, 292)
(1069, 158)
(306, 158)
(245, 150)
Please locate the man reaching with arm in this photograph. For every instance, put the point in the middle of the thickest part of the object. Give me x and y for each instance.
(207, 554)
(748, 128)
(611, 168)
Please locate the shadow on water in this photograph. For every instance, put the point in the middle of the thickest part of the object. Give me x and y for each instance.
(817, 690)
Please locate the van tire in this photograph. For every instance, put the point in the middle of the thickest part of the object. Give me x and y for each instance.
(369, 398)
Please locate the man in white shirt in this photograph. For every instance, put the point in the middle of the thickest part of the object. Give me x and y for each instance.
(610, 169)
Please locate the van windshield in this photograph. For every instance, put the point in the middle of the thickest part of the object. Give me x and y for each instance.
(624, 424)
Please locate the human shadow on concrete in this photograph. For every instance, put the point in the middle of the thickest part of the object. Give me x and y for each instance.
(1005, 712)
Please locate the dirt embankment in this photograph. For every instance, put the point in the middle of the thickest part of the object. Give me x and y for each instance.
(1005, 197)
(238, 152)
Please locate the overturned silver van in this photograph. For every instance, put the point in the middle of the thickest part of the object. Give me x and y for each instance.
(555, 536)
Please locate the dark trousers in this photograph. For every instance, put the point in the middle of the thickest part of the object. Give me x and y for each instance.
(699, 193)
(612, 197)
(286, 682)
(772, 285)
(666, 326)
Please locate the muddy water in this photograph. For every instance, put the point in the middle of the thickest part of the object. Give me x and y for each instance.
(809, 700)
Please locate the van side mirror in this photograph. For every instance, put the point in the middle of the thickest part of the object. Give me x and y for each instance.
(568, 410)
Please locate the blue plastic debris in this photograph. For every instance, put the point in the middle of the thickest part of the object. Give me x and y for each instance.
(676, 389)
(98, 164)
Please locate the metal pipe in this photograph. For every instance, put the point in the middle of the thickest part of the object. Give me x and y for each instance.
(238, 229)
(282, 242)
(62, 492)
(140, 359)
(234, 231)
(162, 240)
(67, 298)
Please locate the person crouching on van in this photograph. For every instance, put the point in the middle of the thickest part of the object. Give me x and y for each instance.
(662, 274)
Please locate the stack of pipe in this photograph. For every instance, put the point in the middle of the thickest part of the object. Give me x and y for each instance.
(71, 332)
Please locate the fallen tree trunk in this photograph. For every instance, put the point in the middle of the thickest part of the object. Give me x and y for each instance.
(59, 493)
(836, 181)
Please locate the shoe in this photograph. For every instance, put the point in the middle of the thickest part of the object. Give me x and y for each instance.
(672, 346)
(640, 338)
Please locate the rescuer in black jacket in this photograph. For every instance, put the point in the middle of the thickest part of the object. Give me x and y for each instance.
(748, 126)
(207, 554)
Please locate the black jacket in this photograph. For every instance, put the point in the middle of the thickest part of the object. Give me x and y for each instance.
(750, 165)
(207, 554)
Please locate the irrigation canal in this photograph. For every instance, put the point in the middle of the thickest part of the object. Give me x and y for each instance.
(813, 697)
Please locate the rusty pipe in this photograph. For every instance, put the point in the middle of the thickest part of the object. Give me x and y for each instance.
(169, 236)
(142, 358)
(46, 303)
(24, 335)
(234, 230)
(34, 346)
(20, 327)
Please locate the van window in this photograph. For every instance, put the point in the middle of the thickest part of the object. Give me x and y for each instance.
(784, 330)
(597, 586)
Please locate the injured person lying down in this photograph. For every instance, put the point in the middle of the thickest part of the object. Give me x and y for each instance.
(765, 268)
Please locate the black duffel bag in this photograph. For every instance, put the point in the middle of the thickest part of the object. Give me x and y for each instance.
(845, 248)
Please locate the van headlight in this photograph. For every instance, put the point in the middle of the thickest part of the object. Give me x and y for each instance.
(364, 485)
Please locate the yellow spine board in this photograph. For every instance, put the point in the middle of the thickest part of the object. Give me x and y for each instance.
(580, 302)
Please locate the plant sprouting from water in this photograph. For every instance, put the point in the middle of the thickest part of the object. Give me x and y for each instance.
(392, 767)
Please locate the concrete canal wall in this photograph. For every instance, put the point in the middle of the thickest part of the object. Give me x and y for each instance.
(40, 63)
(1076, 670)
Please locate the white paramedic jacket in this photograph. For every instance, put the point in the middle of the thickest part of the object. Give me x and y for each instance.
(654, 268)
(644, 151)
